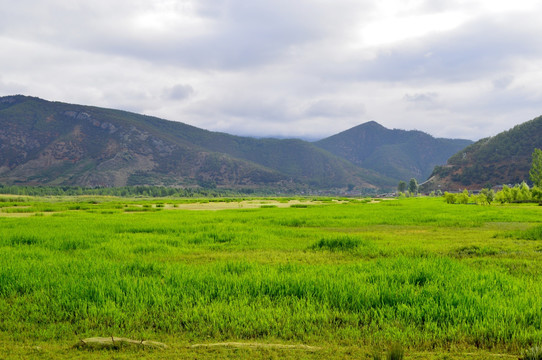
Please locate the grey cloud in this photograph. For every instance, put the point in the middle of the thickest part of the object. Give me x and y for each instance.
(179, 92)
(234, 33)
(426, 100)
(503, 82)
(334, 109)
(10, 88)
(272, 66)
(478, 49)
(276, 109)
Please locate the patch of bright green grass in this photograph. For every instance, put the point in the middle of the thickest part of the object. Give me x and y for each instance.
(350, 275)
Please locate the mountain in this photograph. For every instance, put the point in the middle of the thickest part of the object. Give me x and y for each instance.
(397, 154)
(502, 159)
(53, 143)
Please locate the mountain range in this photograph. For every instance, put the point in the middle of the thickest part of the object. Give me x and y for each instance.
(54, 143)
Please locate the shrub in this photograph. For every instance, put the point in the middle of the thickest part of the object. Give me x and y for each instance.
(524, 192)
(449, 197)
(505, 195)
(536, 194)
(489, 195)
(463, 198)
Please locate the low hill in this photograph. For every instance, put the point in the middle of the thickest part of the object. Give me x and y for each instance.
(502, 159)
(397, 154)
(53, 143)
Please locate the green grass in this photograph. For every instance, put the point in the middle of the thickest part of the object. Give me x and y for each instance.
(350, 277)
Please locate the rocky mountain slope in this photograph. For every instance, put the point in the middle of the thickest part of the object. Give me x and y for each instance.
(52, 143)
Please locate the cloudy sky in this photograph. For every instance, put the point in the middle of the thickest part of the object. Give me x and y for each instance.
(303, 68)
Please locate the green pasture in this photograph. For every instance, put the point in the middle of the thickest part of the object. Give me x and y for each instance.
(296, 278)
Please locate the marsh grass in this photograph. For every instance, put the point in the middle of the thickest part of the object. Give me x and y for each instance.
(416, 272)
(396, 352)
(532, 233)
(475, 250)
(299, 206)
(534, 353)
(343, 243)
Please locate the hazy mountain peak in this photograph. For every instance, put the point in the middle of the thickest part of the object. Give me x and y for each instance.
(399, 154)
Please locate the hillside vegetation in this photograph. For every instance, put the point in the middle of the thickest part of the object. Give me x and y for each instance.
(502, 159)
(51, 143)
(398, 154)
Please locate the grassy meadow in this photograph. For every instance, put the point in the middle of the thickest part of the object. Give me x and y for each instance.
(281, 278)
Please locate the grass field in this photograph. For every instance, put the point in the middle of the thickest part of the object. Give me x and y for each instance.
(266, 278)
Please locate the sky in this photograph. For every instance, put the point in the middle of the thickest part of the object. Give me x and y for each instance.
(280, 68)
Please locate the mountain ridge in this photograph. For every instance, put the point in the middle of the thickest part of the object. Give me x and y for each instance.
(399, 154)
(55, 143)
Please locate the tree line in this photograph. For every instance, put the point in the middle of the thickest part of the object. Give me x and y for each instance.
(126, 191)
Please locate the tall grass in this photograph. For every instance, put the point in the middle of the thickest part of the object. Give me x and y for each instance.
(419, 273)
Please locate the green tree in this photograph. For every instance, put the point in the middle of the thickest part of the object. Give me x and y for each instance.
(463, 198)
(535, 173)
(413, 186)
(516, 194)
(449, 197)
(489, 195)
(479, 199)
(524, 192)
(402, 186)
(503, 196)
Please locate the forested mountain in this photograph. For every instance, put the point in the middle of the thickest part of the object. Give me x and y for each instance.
(502, 159)
(398, 154)
(53, 143)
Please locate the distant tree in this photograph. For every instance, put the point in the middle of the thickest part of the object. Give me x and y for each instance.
(463, 198)
(449, 197)
(515, 193)
(535, 173)
(489, 195)
(536, 194)
(479, 199)
(413, 186)
(524, 192)
(402, 186)
(504, 196)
